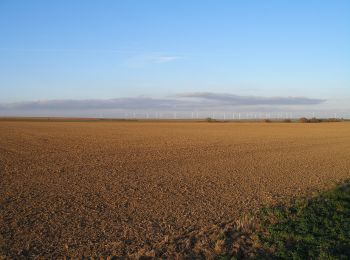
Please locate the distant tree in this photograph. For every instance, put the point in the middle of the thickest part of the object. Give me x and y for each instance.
(303, 120)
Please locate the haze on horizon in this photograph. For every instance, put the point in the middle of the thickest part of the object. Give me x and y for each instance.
(88, 58)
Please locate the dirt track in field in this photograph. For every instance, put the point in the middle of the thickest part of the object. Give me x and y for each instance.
(114, 188)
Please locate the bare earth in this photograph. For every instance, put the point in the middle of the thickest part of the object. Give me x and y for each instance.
(114, 188)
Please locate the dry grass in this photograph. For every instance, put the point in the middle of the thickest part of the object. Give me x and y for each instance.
(157, 189)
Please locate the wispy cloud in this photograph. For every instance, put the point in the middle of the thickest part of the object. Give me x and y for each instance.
(143, 60)
(182, 102)
(45, 50)
(116, 103)
(165, 58)
(134, 60)
(234, 100)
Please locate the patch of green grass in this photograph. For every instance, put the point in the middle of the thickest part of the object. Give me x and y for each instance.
(318, 228)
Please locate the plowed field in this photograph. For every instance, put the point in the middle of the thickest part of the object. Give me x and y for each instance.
(115, 188)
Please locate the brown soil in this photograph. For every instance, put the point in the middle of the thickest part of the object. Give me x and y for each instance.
(132, 188)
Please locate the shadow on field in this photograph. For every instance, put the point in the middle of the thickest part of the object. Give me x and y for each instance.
(313, 228)
(308, 229)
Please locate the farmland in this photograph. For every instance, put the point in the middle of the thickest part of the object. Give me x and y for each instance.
(125, 188)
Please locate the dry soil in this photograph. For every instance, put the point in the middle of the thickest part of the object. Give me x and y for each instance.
(116, 188)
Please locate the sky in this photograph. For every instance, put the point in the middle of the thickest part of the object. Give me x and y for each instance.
(83, 58)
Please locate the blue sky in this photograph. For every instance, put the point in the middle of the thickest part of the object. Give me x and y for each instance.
(78, 50)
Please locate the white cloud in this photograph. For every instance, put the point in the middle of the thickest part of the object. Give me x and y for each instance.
(140, 61)
(165, 58)
(184, 101)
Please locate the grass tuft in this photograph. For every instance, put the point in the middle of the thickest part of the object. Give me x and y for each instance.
(310, 229)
